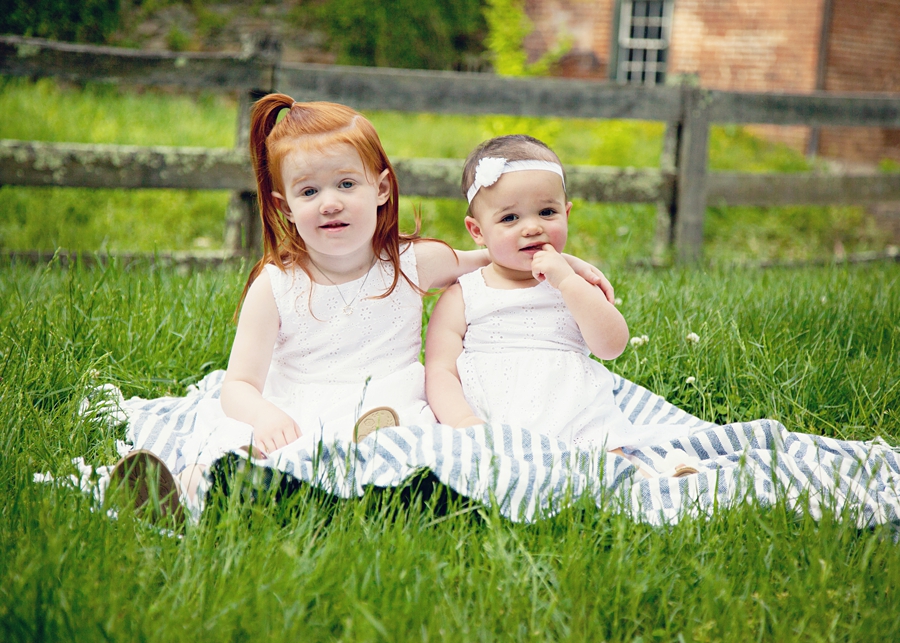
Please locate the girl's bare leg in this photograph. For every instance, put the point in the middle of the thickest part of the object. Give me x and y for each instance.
(189, 479)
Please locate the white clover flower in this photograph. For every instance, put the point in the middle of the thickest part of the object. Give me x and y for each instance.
(692, 338)
(690, 379)
(617, 301)
(824, 299)
(639, 341)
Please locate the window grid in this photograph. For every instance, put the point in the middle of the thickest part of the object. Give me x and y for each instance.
(644, 29)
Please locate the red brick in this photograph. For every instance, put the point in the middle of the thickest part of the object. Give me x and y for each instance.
(751, 45)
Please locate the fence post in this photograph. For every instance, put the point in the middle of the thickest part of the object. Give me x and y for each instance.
(242, 215)
(690, 200)
(665, 208)
(242, 226)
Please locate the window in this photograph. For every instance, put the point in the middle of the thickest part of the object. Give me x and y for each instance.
(643, 42)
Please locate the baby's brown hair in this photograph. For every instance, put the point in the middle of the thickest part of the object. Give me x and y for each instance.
(513, 147)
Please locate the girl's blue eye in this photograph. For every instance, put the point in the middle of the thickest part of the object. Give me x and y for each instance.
(346, 184)
(547, 212)
(509, 218)
(308, 192)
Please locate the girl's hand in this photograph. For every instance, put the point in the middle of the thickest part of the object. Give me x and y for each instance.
(274, 429)
(549, 265)
(592, 275)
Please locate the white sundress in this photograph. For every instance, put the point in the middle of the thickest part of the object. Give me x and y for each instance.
(328, 367)
(525, 363)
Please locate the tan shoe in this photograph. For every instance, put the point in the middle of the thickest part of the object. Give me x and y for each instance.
(155, 490)
(678, 464)
(378, 418)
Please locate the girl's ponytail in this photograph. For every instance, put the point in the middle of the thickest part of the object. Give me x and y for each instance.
(275, 230)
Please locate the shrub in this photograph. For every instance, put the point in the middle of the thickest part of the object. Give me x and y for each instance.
(443, 34)
(73, 20)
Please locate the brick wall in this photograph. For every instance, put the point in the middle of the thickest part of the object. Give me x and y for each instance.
(863, 55)
(751, 45)
(586, 23)
(748, 45)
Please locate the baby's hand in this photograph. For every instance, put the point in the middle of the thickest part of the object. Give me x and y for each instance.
(274, 429)
(593, 276)
(549, 265)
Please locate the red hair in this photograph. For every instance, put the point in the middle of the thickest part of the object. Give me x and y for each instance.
(316, 126)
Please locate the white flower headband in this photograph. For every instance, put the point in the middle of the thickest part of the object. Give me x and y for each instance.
(491, 168)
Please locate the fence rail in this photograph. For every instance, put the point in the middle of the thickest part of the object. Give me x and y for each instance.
(814, 109)
(682, 186)
(124, 166)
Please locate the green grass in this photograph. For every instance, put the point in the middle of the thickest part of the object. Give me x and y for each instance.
(114, 220)
(611, 234)
(816, 349)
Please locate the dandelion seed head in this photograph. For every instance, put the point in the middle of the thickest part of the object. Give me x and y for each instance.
(690, 379)
(692, 338)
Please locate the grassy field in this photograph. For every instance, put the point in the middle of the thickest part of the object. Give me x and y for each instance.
(151, 220)
(816, 349)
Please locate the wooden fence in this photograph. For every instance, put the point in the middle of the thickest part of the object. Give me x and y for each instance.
(681, 187)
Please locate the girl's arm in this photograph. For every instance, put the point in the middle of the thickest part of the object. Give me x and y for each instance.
(248, 366)
(601, 324)
(439, 266)
(443, 345)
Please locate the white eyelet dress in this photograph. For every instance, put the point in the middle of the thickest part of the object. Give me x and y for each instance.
(524, 363)
(323, 359)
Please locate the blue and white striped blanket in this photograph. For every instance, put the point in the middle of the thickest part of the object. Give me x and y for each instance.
(528, 476)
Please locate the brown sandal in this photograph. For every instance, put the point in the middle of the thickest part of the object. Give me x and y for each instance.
(155, 490)
(378, 418)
